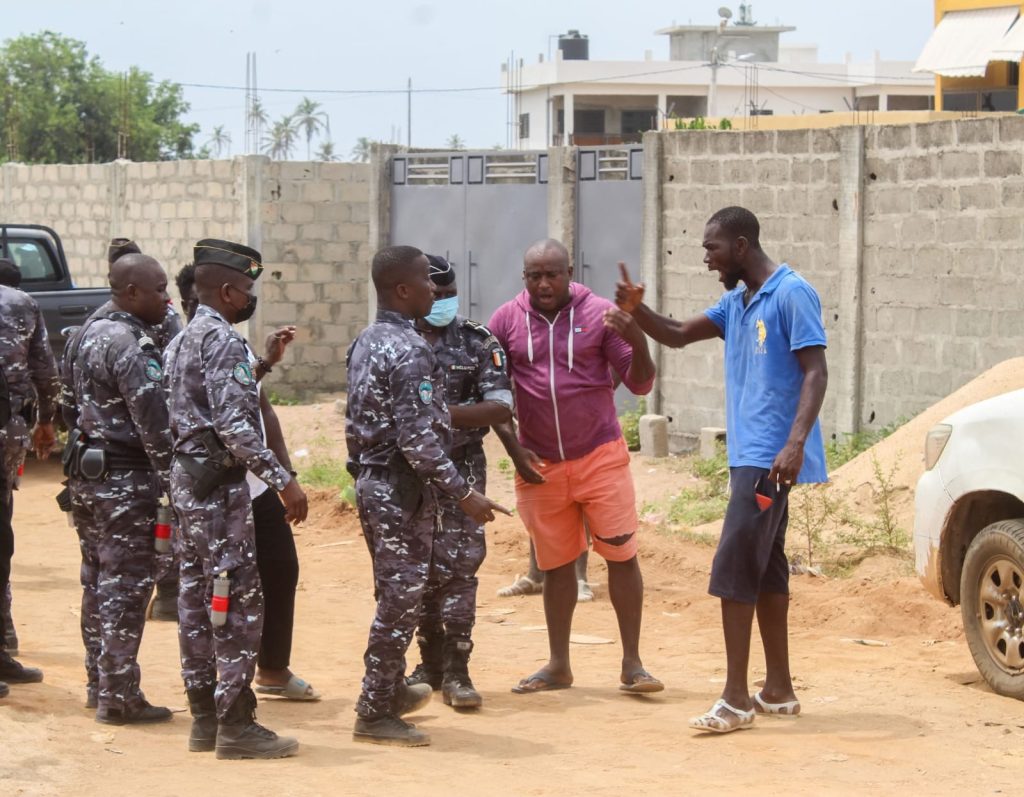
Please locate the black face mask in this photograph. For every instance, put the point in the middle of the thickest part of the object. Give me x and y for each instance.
(246, 312)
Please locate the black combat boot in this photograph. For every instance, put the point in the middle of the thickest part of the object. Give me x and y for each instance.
(457, 688)
(410, 698)
(4, 689)
(14, 672)
(430, 670)
(139, 712)
(165, 603)
(203, 736)
(388, 729)
(240, 736)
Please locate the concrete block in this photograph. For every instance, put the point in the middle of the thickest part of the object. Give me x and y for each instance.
(1011, 129)
(706, 171)
(318, 192)
(960, 165)
(975, 131)
(933, 134)
(980, 196)
(297, 213)
(793, 142)
(654, 435)
(1004, 163)
(897, 137)
(769, 171)
(710, 437)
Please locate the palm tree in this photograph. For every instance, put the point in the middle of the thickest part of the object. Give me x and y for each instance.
(326, 152)
(362, 150)
(280, 141)
(310, 120)
(220, 140)
(258, 118)
(455, 142)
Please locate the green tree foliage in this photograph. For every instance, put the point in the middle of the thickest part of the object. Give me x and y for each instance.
(310, 121)
(362, 150)
(58, 104)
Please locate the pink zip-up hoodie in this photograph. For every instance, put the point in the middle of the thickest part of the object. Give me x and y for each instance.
(562, 372)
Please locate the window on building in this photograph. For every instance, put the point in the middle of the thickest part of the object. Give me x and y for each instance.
(588, 121)
(985, 100)
(910, 102)
(866, 103)
(687, 106)
(524, 125)
(639, 121)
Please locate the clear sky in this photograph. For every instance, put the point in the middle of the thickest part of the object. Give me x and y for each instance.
(317, 45)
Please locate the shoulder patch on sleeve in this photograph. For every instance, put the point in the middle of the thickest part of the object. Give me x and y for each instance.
(154, 371)
(478, 328)
(426, 391)
(242, 373)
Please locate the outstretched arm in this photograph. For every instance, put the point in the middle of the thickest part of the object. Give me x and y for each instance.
(667, 331)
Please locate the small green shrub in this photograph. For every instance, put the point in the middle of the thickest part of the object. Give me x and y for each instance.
(630, 423)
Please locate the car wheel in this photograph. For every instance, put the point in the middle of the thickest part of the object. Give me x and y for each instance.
(992, 605)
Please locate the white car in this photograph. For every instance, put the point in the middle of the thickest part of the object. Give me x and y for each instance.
(969, 531)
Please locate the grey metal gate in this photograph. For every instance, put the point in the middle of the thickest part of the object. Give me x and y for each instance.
(480, 210)
(609, 222)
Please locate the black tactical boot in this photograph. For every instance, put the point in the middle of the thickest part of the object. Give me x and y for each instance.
(457, 688)
(240, 736)
(165, 602)
(14, 672)
(203, 737)
(430, 670)
(4, 689)
(388, 729)
(92, 699)
(411, 697)
(140, 712)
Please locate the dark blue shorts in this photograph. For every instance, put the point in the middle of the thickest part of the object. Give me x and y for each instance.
(751, 555)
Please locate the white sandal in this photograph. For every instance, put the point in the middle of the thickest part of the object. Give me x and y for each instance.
(788, 709)
(523, 585)
(713, 721)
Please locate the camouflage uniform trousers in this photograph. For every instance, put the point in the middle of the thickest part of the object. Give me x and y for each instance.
(115, 520)
(400, 542)
(216, 535)
(14, 444)
(459, 549)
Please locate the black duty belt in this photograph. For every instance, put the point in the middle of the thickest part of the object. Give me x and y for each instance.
(465, 452)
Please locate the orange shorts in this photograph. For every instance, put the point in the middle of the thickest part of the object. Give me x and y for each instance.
(596, 488)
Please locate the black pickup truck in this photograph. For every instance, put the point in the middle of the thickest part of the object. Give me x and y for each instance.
(39, 254)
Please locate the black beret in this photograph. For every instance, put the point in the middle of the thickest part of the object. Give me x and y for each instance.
(121, 246)
(242, 259)
(441, 271)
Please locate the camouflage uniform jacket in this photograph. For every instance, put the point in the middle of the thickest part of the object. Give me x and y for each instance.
(474, 369)
(211, 386)
(111, 387)
(396, 404)
(25, 354)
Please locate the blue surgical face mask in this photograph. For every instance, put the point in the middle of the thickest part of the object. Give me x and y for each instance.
(443, 312)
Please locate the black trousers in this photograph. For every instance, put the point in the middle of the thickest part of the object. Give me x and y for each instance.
(278, 565)
(6, 549)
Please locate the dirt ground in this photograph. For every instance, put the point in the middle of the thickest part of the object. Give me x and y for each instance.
(905, 714)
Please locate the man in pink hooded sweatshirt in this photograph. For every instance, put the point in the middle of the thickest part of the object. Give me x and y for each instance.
(563, 344)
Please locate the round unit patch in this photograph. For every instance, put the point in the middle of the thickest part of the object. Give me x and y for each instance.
(242, 374)
(154, 373)
(426, 391)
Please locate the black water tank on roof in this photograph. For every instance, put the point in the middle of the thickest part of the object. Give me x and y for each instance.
(574, 47)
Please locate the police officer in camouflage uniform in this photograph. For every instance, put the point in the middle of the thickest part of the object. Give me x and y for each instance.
(165, 602)
(28, 387)
(117, 459)
(397, 428)
(479, 394)
(215, 427)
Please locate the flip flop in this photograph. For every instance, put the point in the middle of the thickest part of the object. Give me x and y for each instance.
(642, 682)
(788, 709)
(711, 720)
(295, 689)
(547, 684)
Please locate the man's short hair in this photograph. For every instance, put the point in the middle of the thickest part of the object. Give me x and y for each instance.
(739, 222)
(186, 278)
(391, 265)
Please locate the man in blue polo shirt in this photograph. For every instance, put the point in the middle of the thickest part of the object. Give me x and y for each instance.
(775, 379)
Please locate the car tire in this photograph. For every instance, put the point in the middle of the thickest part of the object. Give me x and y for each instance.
(992, 605)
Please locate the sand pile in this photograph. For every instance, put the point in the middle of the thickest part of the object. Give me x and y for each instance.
(902, 453)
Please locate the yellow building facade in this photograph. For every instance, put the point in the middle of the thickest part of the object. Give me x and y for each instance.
(957, 93)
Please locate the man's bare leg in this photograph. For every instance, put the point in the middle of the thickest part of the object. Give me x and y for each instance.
(626, 590)
(737, 623)
(559, 605)
(772, 621)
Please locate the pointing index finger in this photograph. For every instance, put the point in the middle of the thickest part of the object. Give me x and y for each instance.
(625, 274)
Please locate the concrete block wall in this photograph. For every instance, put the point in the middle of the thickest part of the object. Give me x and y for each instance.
(942, 255)
(314, 219)
(310, 221)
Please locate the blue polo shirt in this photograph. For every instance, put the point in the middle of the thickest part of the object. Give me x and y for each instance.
(762, 375)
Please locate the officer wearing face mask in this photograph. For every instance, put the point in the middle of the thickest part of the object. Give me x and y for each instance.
(479, 395)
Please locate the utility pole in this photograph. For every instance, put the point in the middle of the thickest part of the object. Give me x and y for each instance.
(408, 115)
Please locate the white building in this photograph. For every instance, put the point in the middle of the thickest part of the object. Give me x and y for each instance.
(726, 70)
